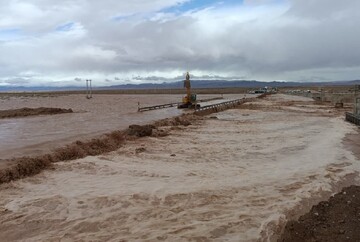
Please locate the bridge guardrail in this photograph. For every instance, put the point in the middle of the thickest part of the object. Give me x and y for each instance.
(218, 107)
(350, 117)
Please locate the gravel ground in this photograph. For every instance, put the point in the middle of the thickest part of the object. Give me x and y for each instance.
(337, 219)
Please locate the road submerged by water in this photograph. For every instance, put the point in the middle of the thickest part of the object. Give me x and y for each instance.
(237, 175)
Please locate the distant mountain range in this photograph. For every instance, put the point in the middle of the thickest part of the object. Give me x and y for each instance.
(179, 85)
(229, 84)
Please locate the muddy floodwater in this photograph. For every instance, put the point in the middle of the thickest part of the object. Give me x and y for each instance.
(237, 175)
(91, 117)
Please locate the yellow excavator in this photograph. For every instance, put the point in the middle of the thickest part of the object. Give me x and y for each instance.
(189, 101)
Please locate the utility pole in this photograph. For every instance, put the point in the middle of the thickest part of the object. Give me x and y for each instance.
(88, 89)
(356, 100)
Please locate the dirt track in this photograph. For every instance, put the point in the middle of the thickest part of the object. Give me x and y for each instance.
(236, 176)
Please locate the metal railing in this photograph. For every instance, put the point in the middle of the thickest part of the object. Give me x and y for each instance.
(169, 105)
(218, 107)
(350, 117)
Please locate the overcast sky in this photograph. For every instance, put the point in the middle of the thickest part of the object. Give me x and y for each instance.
(47, 42)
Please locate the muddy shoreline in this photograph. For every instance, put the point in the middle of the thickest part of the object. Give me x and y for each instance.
(25, 112)
(334, 219)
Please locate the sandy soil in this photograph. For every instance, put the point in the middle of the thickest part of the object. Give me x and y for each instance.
(235, 176)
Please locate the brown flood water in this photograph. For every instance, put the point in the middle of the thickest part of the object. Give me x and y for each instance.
(91, 118)
(237, 175)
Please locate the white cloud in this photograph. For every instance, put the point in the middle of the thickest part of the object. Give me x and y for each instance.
(262, 39)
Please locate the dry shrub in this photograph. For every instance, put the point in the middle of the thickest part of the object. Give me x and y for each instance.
(165, 122)
(140, 130)
(99, 146)
(160, 133)
(184, 120)
(69, 152)
(79, 149)
(117, 136)
(25, 166)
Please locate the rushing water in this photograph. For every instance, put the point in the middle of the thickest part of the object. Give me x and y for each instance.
(103, 113)
(236, 177)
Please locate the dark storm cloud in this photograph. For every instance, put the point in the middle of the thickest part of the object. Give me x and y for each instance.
(262, 39)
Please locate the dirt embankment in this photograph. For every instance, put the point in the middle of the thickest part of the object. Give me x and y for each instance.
(26, 166)
(24, 112)
(337, 219)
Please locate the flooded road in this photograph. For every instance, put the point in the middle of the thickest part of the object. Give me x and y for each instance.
(234, 177)
(91, 117)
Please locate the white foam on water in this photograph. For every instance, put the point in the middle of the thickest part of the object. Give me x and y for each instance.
(235, 178)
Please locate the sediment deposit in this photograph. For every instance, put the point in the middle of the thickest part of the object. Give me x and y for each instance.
(24, 112)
